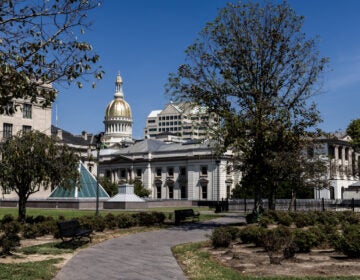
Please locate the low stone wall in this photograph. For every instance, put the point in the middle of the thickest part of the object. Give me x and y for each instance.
(57, 204)
(124, 205)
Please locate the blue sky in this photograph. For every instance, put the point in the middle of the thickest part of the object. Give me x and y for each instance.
(145, 40)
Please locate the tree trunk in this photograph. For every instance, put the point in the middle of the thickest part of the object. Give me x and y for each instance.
(22, 207)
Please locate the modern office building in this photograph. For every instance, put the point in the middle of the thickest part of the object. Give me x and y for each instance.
(185, 120)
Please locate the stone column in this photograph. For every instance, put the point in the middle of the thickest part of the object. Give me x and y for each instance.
(350, 151)
(336, 163)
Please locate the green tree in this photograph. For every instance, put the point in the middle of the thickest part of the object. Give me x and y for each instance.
(256, 70)
(110, 187)
(139, 189)
(353, 130)
(33, 160)
(40, 43)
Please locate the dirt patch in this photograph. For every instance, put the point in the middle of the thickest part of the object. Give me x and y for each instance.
(251, 260)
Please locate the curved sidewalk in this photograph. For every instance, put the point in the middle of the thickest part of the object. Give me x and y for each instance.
(145, 255)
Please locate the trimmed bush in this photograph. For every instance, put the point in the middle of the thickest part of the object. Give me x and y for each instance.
(159, 217)
(264, 221)
(349, 243)
(125, 221)
(252, 234)
(304, 219)
(283, 218)
(110, 221)
(30, 231)
(221, 237)
(327, 218)
(305, 240)
(10, 239)
(278, 244)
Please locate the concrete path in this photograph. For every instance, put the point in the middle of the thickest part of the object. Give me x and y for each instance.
(144, 255)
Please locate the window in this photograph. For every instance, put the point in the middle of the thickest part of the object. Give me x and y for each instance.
(26, 128)
(171, 117)
(171, 171)
(167, 117)
(228, 170)
(7, 130)
(151, 121)
(228, 193)
(9, 109)
(158, 172)
(122, 173)
(108, 173)
(152, 129)
(204, 170)
(183, 191)
(138, 172)
(27, 111)
(182, 171)
(158, 192)
(171, 191)
(204, 192)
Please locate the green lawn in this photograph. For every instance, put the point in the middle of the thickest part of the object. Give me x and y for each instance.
(73, 213)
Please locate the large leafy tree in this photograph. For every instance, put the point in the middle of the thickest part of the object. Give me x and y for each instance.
(254, 68)
(33, 160)
(353, 130)
(40, 43)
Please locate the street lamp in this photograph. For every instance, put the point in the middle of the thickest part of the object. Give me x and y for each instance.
(98, 142)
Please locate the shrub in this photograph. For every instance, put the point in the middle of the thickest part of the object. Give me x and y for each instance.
(99, 223)
(327, 218)
(221, 237)
(348, 218)
(283, 218)
(304, 219)
(125, 221)
(159, 217)
(110, 221)
(349, 243)
(264, 221)
(305, 240)
(144, 219)
(252, 234)
(46, 227)
(278, 244)
(39, 219)
(7, 219)
(10, 238)
(30, 231)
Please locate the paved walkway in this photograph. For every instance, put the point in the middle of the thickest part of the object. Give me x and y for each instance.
(145, 255)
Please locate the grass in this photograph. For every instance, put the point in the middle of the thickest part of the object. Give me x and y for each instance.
(73, 213)
(52, 248)
(45, 270)
(198, 264)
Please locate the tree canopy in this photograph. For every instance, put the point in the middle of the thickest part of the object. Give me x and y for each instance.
(33, 160)
(255, 69)
(40, 44)
(353, 130)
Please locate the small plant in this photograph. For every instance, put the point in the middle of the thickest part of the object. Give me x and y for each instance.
(159, 217)
(30, 231)
(283, 218)
(304, 219)
(221, 237)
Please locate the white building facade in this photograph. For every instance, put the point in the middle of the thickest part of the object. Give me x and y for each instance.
(186, 171)
(342, 162)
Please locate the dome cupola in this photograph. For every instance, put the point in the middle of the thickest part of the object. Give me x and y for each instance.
(118, 117)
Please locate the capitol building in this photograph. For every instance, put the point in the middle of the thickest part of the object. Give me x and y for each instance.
(169, 169)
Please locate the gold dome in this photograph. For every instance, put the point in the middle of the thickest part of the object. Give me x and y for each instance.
(118, 108)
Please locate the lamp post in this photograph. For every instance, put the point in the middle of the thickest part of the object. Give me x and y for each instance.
(98, 139)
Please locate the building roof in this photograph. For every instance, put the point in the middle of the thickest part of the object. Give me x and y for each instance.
(70, 139)
(153, 114)
(86, 189)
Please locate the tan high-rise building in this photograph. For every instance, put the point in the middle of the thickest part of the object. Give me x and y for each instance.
(27, 116)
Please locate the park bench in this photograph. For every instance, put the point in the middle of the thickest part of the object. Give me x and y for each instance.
(184, 214)
(72, 229)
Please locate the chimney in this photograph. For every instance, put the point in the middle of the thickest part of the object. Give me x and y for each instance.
(84, 135)
(59, 134)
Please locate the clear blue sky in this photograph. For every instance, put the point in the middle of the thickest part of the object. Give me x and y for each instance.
(145, 40)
